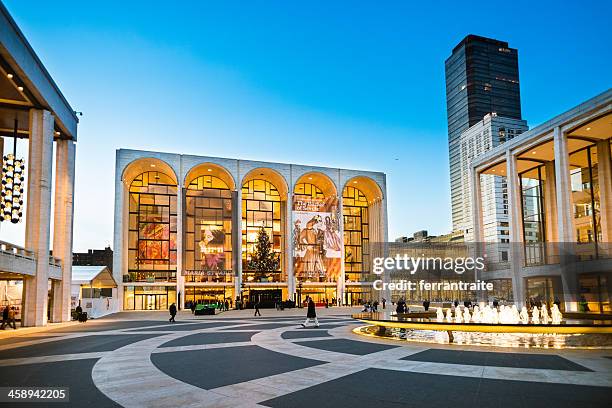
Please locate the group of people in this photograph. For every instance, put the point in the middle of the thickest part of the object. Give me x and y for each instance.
(8, 317)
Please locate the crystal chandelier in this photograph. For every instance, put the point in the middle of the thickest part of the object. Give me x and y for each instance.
(11, 193)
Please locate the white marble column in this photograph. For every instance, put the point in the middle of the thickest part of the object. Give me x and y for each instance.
(563, 185)
(289, 247)
(62, 226)
(565, 220)
(237, 241)
(120, 232)
(341, 284)
(476, 189)
(38, 217)
(515, 218)
(180, 236)
(604, 167)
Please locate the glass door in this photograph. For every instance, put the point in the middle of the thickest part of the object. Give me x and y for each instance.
(150, 302)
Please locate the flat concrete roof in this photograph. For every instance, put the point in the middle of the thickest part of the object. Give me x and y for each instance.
(17, 52)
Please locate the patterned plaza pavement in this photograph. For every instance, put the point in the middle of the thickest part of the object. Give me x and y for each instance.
(235, 360)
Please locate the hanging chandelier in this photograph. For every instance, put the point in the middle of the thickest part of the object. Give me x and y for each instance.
(11, 194)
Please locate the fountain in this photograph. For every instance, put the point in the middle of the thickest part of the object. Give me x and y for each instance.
(544, 315)
(466, 315)
(524, 315)
(556, 315)
(535, 315)
(504, 326)
(458, 317)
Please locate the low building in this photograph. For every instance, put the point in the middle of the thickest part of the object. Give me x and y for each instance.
(94, 289)
(187, 229)
(559, 186)
(94, 257)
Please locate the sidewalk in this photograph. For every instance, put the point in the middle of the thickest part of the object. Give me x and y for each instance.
(9, 332)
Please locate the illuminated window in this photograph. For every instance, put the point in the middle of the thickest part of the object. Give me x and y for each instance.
(261, 207)
(152, 228)
(356, 233)
(208, 230)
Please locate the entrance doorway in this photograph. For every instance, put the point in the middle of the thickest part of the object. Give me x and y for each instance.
(267, 297)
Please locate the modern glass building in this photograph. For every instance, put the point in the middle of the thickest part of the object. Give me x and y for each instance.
(559, 183)
(481, 78)
(187, 227)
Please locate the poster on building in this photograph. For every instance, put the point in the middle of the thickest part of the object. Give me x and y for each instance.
(153, 242)
(212, 239)
(317, 245)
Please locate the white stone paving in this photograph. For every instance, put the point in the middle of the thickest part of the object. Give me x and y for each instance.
(123, 374)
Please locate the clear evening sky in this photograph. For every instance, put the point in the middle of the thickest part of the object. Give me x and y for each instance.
(350, 84)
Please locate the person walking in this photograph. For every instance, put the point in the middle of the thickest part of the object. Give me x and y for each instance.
(257, 312)
(11, 317)
(172, 313)
(384, 303)
(311, 314)
(227, 305)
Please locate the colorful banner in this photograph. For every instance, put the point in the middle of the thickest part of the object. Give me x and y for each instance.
(212, 239)
(317, 245)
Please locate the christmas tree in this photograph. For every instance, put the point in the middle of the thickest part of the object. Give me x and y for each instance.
(263, 259)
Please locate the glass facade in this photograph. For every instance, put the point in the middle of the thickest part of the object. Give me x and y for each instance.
(585, 196)
(208, 231)
(152, 228)
(148, 297)
(356, 234)
(261, 207)
(534, 217)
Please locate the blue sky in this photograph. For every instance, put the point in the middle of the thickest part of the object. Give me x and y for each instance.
(348, 84)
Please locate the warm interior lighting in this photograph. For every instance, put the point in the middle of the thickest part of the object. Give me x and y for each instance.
(20, 88)
(9, 76)
(355, 182)
(588, 128)
(209, 169)
(534, 152)
(309, 178)
(152, 165)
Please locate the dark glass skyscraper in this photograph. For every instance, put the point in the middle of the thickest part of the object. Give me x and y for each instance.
(481, 77)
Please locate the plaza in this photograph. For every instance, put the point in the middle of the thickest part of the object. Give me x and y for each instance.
(138, 359)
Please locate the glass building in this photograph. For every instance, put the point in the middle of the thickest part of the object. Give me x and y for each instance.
(559, 186)
(481, 78)
(187, 230)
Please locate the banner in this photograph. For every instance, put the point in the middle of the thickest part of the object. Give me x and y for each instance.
(317, 244)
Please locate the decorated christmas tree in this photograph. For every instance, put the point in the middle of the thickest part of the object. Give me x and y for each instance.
(263, 259)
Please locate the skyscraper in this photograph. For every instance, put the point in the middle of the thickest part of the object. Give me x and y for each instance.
(481, 78)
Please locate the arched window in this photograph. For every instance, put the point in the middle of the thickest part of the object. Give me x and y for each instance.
(308, 190)
(152, 228)
(261, 206)
(356, 233)
(208, 230)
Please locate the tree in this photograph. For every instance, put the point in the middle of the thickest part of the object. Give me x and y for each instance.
(263, 259)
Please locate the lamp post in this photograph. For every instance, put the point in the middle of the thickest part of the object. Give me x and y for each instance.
(299, 294)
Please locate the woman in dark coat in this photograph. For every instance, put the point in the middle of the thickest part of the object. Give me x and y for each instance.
(312, 314)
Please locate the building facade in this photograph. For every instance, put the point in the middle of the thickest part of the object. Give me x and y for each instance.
(559, 186)
(481, 78)
(187, 228)
(34, 115)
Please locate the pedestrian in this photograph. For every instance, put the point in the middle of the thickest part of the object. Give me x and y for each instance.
(11, 317)
(257, 312)
(426, 305)
(375, 306)
(401, 306)
(5, 317)
(172, 313)
(311, 314)
(227, 305)
(384, 303)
